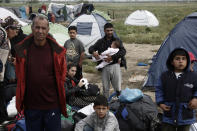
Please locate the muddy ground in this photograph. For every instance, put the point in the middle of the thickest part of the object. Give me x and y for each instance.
(135, 75)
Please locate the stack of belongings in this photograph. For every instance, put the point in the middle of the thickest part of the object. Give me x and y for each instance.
(135, 111)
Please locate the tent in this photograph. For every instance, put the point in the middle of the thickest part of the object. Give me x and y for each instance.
(59, 32)
(184, 34)
(14, 10)
(90, 28)
(106, 16)
(5, 13)
(142, 18)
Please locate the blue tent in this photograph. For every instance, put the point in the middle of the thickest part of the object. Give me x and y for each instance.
(183, 35)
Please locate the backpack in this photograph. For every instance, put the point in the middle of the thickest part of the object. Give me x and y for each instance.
(138, 116)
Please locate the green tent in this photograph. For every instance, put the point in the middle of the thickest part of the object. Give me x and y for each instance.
(106, 16)
(59, 32)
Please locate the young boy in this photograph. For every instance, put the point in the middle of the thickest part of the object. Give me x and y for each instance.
(100, 120)
(75, 51)
(109, 52)
(177, 92)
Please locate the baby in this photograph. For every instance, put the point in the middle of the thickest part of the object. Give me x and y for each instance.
(109, 52)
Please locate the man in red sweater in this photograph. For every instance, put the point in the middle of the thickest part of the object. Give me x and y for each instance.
(41, 71)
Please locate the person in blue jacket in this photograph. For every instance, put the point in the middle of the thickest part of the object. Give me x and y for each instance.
(177, 92)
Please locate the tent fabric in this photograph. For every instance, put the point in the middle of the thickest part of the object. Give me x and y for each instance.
(84, 28)
(97, 29)
(142, 18)
(4, 13)
(184, 34)
(14, 10)
(106, 16)
(59, 32)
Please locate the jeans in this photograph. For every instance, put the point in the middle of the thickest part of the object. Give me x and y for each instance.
(88, 128)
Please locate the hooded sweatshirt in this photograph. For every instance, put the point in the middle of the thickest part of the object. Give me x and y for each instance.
(177, 92)
(108, 123)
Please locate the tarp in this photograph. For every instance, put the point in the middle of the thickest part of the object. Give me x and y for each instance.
(64, 12)
(4, 13)
(142, 18)
(59, 32)
(23, 12)
(184, 34)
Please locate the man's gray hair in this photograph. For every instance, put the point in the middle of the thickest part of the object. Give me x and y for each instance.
(40, 17)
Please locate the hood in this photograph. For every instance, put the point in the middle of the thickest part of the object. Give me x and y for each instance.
(170, 57)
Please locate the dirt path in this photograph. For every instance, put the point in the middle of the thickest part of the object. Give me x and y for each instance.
(134, 76)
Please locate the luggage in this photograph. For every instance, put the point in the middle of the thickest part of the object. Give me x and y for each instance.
(138, 116)
(85, 96)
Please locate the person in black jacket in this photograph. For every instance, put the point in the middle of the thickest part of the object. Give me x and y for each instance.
(110, 73)
(176, 93)
(71, 84)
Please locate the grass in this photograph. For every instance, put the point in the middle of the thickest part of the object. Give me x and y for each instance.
(168, 14)
(89, 66)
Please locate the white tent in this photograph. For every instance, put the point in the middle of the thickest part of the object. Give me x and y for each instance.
(142, 18)
(90, 28)
(5, 13)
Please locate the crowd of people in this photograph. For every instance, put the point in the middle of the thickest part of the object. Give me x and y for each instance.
(48, 76)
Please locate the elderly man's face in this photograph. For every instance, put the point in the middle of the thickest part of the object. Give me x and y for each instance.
(40, 29)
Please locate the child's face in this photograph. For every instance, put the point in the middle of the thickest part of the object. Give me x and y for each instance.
(72, 34)
(101, 110)
(113, 45)
(72, 71)
(179, 62)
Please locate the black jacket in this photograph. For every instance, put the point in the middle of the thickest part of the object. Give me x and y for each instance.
(102, 44)
(70, 89)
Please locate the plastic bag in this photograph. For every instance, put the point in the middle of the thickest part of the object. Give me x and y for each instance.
(130, 95)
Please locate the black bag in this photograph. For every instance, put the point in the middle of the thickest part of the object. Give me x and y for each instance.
(93, 90)
(81, 101)
(85, 96)
(138, 116)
